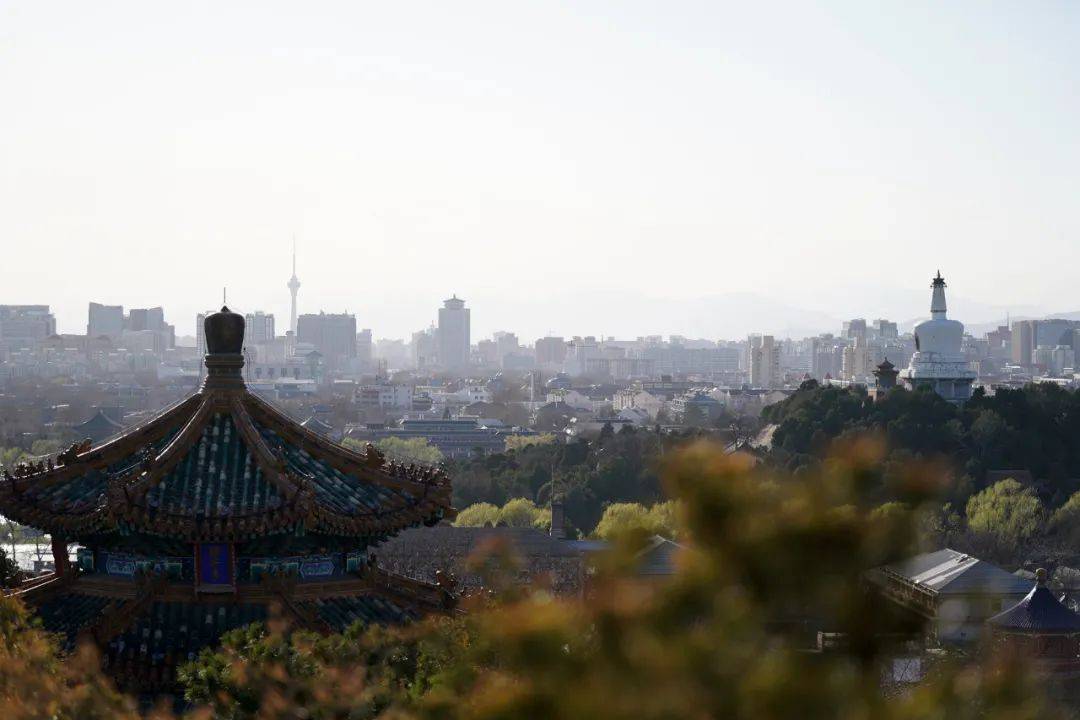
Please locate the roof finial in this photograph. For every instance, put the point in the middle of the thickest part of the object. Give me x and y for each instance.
(1040, 576)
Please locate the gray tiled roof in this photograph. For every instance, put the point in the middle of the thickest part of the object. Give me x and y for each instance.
(949, 572)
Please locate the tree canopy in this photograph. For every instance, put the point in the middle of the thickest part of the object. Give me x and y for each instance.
(404, 450)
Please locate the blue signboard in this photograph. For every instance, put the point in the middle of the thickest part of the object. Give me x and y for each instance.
(317, 568)
(120, 566)
(215, 564)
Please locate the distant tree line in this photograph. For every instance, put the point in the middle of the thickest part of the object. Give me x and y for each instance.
(1013, 458)
(588, 476)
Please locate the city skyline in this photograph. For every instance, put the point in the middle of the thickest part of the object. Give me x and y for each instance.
(782, 321)
(806, 155)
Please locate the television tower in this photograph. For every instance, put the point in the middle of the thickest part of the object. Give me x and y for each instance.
(294, 285)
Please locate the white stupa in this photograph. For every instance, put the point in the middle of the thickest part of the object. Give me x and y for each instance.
(938, 361)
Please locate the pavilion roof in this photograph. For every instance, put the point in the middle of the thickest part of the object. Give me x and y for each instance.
(1039, 611)
(223, 465)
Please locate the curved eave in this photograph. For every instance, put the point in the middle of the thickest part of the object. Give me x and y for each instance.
(122, 505)
(391, 475)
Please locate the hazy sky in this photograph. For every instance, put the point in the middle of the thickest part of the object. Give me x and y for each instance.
(578, 167)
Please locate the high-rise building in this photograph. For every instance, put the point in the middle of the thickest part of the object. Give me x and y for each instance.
(105, 320)
(550, 351)
(506, 343)
(365, 348)
(259, 327)
(200, 337)
(855, 328)
(294, 287)
(23, 325)
(1024, 333)
(764, 357)
(454, 334)
(424, 348)
(145, 319)
(856, 361)
(886, 329)
(999, 342)
(332, 334)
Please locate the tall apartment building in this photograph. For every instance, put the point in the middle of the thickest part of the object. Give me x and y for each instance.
(332, 334)
(23, 325)
(1024, 334)
(764, 361)
(140, 319)
(550, 351)
(259, 328)
(454, 334)
(105, 320)
(200, 336)
(365, 348)
(856, 361)
(854, 328)
(424, 348)
(886, 329)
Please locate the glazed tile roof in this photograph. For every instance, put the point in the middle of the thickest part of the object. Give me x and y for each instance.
(70, 613)
(169, 634)
(341, 612)
(1039, 611)
(224, 465)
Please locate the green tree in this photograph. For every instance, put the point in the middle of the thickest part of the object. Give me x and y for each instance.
(1006, 511)
(520, 442)
(404, 450)
(11, 456)
(522, 513)
(621, 519)
(1065, 522)
(478, 515)
(694, 416)
(9, 570)
(46, 447)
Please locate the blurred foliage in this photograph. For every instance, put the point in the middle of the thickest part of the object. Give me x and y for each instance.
(35, 683)
(725, 637)
(770, 559)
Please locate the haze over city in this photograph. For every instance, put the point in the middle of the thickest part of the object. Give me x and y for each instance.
(620, 168)
(595, 360)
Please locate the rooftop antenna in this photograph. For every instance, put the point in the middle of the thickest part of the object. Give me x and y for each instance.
(223, 300)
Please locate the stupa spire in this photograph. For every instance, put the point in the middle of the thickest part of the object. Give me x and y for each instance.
(937, 299)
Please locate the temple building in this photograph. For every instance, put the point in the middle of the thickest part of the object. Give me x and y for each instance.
(884, 380)
(216, 513)
(938, 361)
(1041, 631)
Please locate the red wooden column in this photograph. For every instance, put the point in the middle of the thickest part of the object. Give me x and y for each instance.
(60, 555)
